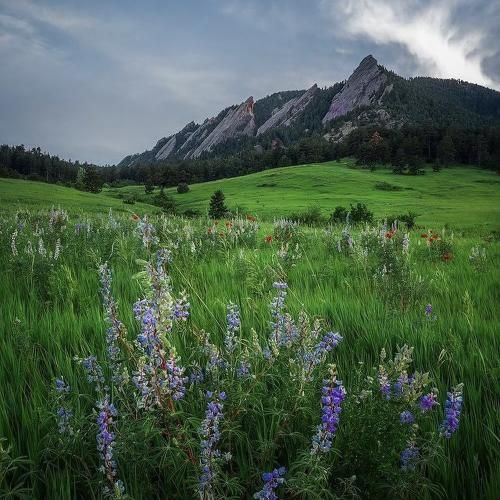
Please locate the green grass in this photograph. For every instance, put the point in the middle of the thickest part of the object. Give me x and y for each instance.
(461, 196)
(19, 194)
(50, 312)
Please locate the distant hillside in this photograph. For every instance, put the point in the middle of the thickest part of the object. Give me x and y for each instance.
(371, 96)
(457, 195)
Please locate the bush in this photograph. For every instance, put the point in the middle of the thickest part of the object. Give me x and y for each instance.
(191, 213)
(129, 199)
(311, 217)
(182, 188)
(386, 186)
(165, 202)
(407, 219)
(339, 215)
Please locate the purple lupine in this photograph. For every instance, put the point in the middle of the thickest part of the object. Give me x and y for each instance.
(406, 417)
(61, 386)
(175, 381)
(428, 310)
(116, 329)
(384, 384)
(313, 358)
(277, 308)
(94, 371)
(210, 436)
(181, 309)
(333, 394)
(452, 411)
(233, 325)
(428, 401)
(63, 413)
(409, 458)
(105, 445)
(243, 370)
(271, 481)
(147, 232)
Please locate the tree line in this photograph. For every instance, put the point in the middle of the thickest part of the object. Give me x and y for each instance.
(406, 149)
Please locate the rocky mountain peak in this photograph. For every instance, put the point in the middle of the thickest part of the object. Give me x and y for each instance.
(360, 89)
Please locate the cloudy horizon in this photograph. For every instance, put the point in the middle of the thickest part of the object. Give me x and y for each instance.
(100, 80)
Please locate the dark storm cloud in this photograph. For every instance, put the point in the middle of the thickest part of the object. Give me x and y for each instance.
(97, 80)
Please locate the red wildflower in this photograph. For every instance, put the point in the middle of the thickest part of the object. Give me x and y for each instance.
(251, 218)
(447, 256)
(423, 235)
(268, 239)
(390, 234)
(135, 217)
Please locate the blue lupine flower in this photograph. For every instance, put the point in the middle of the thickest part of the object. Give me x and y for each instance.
(428, 401)
(62, 386)
(315, 357)
(409, 458)
(428, 310)
(94, 371)
(116, 329)
(406, 417)
(210, 436)
(271, 481)
(333, 394)
(233, 325)
(243, 370)
(277, 308)
(105, 446)
(64, 416)
(452, 411)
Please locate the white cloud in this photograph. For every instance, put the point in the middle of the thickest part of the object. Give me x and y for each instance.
(426, 31)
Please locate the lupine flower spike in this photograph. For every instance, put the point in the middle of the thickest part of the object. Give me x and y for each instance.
(271, 482)
(452, 411)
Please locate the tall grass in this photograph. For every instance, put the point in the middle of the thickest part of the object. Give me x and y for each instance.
(51, 312)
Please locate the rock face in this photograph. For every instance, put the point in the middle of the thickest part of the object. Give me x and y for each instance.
(237, 122)
(168, 147)
(360, 89)
(285, 115)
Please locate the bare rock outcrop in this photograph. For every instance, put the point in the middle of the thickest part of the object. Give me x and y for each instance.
(237, 122)
(360, 89)
(166, 149)
(285, 115)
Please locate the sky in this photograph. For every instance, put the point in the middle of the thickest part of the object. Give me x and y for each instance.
(100, 79)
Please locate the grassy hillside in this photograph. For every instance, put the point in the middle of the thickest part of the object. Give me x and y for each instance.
(457, 195)
(19, 194)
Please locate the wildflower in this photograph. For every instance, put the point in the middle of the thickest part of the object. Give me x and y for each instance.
(333, 394)
(428, 401)
(406, 417)
(13, 245)
(64, 416)
(271, 481)
(406, 244)
(424, 235)
(210, 436)
(314, 358)
(446, 257)
(409, 458)
(147, 232)
(243, 369)
(61, 386)
(428, 310)
(268, 239)
(452, 410)
(94, 371)
(116, 330)
(277, 308)
(105, 446)
(233, 325)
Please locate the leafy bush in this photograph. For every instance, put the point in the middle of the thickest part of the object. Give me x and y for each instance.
(356, 214)
(183, 188)
(386, 186)
(310, 217)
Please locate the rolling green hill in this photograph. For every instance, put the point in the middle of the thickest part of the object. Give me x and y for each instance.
(19, 194)
(456, 195)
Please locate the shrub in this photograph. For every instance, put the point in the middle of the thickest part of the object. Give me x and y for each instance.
(386, 186)
(311, 216)
(129, 199)
(408, 219)
(183, 188)
(339, 215)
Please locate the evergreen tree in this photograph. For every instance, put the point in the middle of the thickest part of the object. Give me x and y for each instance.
(92, 181)
(217, 208)
(446, 150)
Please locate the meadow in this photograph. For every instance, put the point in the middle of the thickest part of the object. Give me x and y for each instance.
(321, 356)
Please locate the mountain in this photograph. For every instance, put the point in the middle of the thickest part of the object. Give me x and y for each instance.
(371, 96)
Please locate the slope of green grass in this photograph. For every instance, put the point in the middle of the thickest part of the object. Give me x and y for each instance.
(19, 194)
(459, 196)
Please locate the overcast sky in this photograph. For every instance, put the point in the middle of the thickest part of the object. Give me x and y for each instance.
(98, 79)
